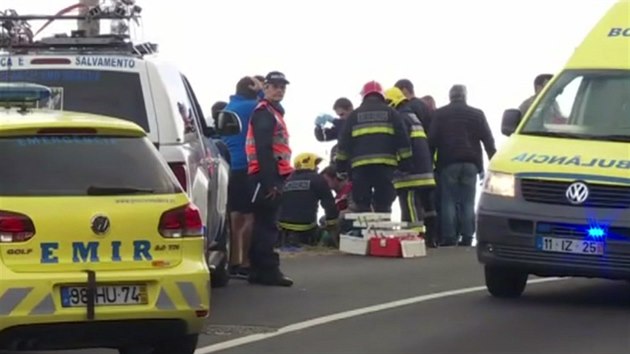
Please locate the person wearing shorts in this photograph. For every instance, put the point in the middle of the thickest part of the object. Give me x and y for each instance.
(242, 103)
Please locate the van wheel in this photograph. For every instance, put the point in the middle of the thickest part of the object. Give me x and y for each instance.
(183, 345)
(505, 282)
(220, 277)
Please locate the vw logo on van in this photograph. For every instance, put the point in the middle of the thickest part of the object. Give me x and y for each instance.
(100, 225)
(577, 193)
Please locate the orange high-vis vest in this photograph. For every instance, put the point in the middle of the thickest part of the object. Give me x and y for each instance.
(280, 143)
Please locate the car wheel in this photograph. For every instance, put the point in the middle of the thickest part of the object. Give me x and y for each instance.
(220, 277)
(505, 282)
(183, 345)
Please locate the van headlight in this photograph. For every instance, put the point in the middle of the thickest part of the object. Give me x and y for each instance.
(499, 184)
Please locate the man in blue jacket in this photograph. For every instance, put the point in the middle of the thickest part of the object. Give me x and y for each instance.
(239, 203)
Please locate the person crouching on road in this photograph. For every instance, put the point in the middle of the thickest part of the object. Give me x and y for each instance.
(342, 187)
(343, 198)
(372, 145)
(268, 165)
(302, 192)
(242, 103)
(342, 107)
(416, 190)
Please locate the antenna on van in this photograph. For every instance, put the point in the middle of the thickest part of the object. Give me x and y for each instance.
(17, 37)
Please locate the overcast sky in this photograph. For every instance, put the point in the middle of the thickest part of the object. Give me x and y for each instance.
(329, 48)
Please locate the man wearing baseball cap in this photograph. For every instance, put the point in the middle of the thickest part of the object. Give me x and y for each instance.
(268, 166)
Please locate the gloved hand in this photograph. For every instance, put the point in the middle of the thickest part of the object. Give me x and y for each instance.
(482, 177)
(323, 119)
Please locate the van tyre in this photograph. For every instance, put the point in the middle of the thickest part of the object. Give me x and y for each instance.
(182, 345)
(220, 276)
(505, 283)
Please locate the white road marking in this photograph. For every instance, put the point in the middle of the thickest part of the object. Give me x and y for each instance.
(345, 315)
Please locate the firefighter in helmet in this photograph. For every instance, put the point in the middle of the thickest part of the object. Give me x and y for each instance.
(303, 191)
(415, 188)
(372, 145)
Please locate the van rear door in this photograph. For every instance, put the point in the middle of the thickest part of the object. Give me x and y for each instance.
(106, 85)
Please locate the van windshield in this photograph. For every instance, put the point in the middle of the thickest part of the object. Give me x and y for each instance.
(590, 104)
(110, 93)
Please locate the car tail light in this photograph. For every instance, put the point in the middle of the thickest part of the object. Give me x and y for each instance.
(180, 172)
(15, 227)
(181, 222)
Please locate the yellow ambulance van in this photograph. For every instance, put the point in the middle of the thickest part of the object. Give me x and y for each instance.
(556, 197)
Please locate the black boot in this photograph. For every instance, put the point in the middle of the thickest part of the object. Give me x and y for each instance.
(271, 278)
(430, 227)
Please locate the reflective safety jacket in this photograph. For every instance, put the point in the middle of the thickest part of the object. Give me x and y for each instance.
(421, 173)
(374, 134)
(302, 192)
(267, 143)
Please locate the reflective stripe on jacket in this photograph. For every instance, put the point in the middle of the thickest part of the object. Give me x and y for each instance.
(280, 144)
(421, 174)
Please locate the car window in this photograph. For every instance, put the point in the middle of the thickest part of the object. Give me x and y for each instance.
(109, 93)
(195, 107)
(587, 104)
(69, 165)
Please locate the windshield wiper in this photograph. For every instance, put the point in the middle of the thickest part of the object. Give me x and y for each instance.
(614, 137)
(559, 135)
(100, 190)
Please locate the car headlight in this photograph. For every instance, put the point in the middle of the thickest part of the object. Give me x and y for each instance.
(499, 184)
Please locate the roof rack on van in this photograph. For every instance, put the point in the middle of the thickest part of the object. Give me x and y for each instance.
(17, 37)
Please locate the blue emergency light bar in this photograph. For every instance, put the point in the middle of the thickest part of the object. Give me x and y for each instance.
(23, 93)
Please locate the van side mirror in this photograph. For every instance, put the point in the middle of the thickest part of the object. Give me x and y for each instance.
(228, 123)
(511, 120)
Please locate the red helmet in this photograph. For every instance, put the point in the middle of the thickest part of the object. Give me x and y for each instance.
(372, 87)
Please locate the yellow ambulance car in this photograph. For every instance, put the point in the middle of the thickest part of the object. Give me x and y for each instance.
(99, 244)
(556, 198)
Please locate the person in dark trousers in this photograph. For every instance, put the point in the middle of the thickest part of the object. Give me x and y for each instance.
(458, 131)
(242, 103)
(416, 190)
(302, 192)
(268, 165)
(373, 143)
(416, 104)
(342, 107)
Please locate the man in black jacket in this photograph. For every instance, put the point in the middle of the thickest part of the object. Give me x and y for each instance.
(373, 143)
(457, 133)
(416, 104)
(268, 166)
(302, 193)
(342, 107)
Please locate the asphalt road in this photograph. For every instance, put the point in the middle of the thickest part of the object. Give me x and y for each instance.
(564, 316)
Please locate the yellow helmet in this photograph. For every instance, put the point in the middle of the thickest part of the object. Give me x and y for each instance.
(394, 96)
(306, 161)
